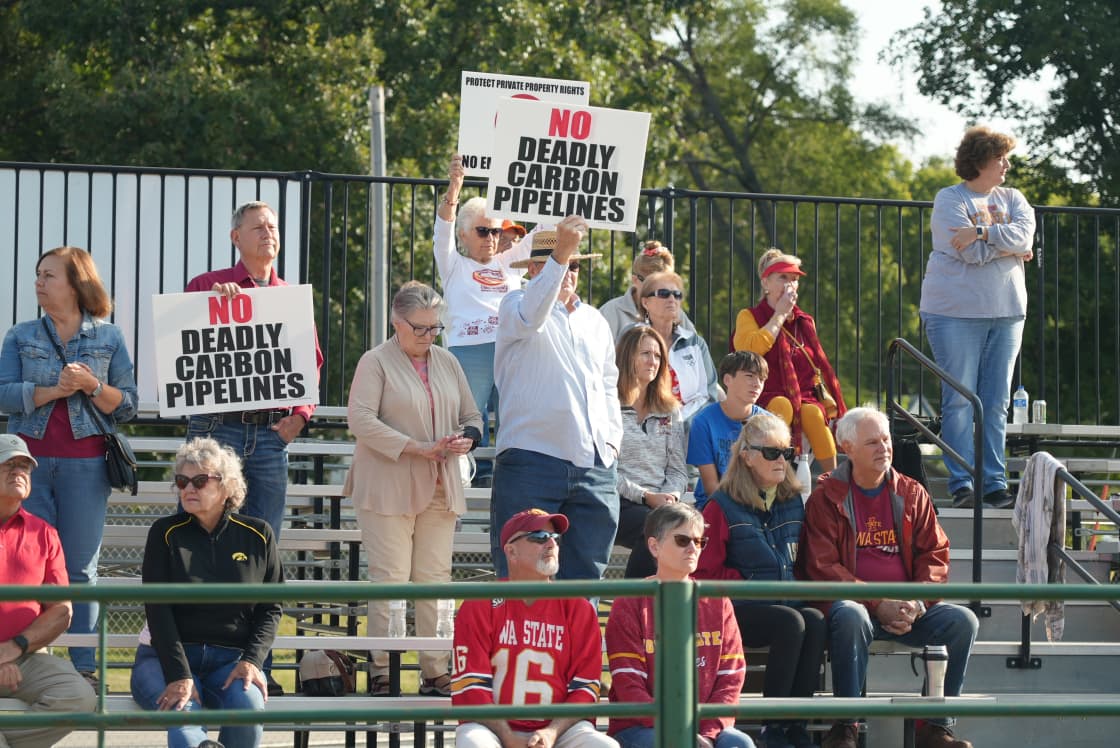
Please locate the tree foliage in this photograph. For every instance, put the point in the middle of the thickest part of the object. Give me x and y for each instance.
(973, 53)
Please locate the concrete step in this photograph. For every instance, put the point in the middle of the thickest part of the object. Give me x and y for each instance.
(1084, 622)
(1000, 565)
(1026, 732)
(998, 532)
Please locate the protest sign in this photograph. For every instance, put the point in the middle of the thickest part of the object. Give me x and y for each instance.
(553, 160)
(216, 354)
(479, 94)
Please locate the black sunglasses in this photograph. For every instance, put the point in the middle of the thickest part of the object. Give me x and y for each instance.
(683, 541)
(773, 453)
(484, 231)
(540, 537)
(197, 481)
(664, 293)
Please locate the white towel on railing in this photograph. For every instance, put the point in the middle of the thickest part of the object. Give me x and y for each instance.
(1039, 519)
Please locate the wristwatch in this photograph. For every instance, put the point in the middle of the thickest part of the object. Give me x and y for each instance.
(97, 390)
(21, 641)
(979, 232)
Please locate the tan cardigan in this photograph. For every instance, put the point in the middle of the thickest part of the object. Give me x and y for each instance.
(388, 406)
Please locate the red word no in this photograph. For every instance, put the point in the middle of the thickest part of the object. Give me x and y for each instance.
(222, 308)
(564, 121)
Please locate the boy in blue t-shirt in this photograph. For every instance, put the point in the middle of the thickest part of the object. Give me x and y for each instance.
(716, 427)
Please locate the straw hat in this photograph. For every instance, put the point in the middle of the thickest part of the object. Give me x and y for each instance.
(544, 243)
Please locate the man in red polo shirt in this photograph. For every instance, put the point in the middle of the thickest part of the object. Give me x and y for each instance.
(31, 554)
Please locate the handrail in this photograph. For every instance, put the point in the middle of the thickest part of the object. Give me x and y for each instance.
(901, 345)
(675, 611)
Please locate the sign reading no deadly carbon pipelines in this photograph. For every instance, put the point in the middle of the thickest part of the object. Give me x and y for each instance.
(553, 160)
(216, 354)
(479, 94)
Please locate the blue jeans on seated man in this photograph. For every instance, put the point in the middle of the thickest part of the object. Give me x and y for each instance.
(478, 365)
(852, 629)
(588, 497)
(71, 495)
(210, 666)
(643, 737)
(980, 354)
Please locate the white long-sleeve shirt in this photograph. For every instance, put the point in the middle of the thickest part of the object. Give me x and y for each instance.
(556, 374)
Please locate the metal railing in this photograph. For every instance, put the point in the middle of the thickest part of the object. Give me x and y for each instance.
(674, 709)
(150, 230)
(895, 351)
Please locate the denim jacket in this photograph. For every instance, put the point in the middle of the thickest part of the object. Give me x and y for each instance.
(29, 359)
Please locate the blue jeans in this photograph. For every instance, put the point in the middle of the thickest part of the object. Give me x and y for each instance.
(643, 737)
(71, 494)
(586, 496)
(264, 458)
(478, 364)
(852, 629)
(210, 666)
(980, 354)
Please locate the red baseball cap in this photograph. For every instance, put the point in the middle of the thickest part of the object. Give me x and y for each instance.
(517, 227)
(532, 520)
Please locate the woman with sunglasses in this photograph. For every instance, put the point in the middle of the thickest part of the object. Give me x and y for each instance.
(800, 373)
(690, 362)
(474, 279)
(625, 310)
(675, 536)
(651, 469)
(414, 419)
(754, 522)
(194, 656)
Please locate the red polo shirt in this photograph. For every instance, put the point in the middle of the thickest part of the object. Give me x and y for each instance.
(240, 275)
(30, 553)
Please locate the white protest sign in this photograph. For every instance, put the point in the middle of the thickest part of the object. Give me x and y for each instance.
(254, 351)
(554, 160)
(479, 94)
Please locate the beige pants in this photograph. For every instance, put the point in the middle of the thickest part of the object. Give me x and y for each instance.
(409, 548)
(50, 684)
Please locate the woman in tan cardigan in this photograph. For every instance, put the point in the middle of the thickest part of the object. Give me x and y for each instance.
(413, 415)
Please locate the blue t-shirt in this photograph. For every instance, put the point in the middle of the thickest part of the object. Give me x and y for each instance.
(710, 440)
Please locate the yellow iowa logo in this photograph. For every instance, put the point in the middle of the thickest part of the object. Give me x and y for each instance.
(239, 556)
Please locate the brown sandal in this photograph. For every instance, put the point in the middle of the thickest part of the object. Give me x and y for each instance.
(379, 685)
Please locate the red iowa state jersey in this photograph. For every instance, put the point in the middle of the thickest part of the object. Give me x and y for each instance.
(510, 652)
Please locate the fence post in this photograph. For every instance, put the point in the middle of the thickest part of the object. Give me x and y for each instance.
(675, 695)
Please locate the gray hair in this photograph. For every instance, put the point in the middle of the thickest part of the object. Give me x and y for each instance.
(472, 210)
(738, 482)
(414, 296)
(847, 426)
(208, 455)
(669, 517)
(239, 214)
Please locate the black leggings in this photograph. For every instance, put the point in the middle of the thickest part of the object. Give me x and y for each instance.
(631, 534)
(796, 637)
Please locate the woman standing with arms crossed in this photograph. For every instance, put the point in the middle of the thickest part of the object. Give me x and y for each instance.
(974, 303)
(49, 398)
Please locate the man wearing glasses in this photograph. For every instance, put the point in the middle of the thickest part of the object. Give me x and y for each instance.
(561, 420)
(865, 522)
(529, 651)
(31, 554)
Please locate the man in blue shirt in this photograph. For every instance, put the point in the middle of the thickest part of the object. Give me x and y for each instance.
(717, 426)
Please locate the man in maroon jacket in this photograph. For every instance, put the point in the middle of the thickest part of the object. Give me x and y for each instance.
(865, 522)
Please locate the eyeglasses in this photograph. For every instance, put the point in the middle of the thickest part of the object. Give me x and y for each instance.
(540, 537)
(14, 464)
(485, 231)
(664, 293)
(197, 481)
(773, 453)
(682, 541)
(422, 330)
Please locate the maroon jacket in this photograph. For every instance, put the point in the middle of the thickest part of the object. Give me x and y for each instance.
(827, 549)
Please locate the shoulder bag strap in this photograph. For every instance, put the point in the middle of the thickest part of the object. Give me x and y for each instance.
(98, 418)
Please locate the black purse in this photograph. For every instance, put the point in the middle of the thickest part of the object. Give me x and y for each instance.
(120, 460)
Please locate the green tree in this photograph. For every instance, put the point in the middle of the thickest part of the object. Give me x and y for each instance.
(972, 54)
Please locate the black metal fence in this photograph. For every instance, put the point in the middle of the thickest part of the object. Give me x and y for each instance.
(151, 230)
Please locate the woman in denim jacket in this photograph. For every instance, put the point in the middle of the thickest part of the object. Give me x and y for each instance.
(70, 487)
